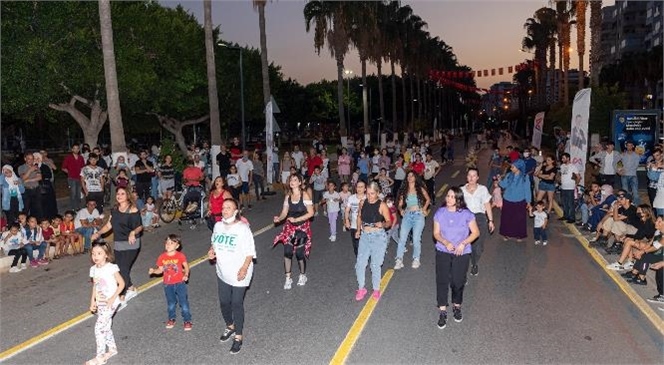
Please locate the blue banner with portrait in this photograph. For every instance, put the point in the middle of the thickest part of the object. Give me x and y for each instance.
(639, 126)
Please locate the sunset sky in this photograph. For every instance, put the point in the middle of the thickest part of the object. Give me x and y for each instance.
(484, 34)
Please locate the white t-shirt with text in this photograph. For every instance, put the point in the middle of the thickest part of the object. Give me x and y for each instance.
(232, 243)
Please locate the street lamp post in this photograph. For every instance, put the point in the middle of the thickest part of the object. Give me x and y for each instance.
(244, 137)
(348, 73)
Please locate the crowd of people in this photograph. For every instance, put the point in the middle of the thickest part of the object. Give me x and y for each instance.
(378, 195)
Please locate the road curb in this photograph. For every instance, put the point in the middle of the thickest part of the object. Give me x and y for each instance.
(637, 299)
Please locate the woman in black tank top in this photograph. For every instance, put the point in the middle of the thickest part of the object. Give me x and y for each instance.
(296, 234)
(372, 221)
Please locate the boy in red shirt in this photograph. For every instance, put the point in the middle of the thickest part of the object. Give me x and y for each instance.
(173, 264)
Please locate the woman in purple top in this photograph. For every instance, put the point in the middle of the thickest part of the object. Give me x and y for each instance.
(454, 228)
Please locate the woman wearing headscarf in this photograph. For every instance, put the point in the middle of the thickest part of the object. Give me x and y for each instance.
(12, 190)
(517, 196)
(49, 203)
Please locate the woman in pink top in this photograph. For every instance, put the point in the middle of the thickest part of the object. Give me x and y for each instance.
(344, 162)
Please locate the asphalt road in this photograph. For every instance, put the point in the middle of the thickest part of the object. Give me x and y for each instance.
(529, 304)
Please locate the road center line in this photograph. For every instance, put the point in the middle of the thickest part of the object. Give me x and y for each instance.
(441, 190)
(355, 331)
(36, 340)
(455, 174)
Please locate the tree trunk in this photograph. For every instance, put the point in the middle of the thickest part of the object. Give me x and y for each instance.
(365, 103)
(581, 6)
(213, 98)
(403, 98)
(412, 102)
(175, 126)
(340, 97)
(111, 77)
(264, 62)
(394, 98)
(595, 40)
(92, 125)
(419, 98)
(381, 101)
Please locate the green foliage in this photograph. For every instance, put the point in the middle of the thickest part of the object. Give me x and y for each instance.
(169, 147)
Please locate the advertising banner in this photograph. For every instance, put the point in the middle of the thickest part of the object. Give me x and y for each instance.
(639, 126)
(579, 134)
(538, 127)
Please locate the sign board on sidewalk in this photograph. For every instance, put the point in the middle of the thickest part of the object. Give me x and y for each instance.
(639, 126)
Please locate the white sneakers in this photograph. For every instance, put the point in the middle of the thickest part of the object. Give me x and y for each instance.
(615, 266)
(416, 264)
(289, 283)
(302, 280)
(14, 269)
(333, 238)
(398, 264)
(130, 294)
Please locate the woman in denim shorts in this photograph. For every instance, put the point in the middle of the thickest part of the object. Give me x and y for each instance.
(547, 185)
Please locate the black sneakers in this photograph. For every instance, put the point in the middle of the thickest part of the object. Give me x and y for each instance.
(474, 270)
(228, 332)
(442, 319)
(237, 346)
(456, 313)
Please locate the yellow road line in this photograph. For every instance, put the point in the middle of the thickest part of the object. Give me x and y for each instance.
(83, 316)
(622, 284)
(441, 190)
(353, 334)
(455, 174)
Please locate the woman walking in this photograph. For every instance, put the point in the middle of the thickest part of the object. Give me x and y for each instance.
(413, 203)
(126, 224)
(234, 250)
(373, 219)
(352, 211)
(296, 234)
(516, 202)
(455, 229)
(547, 178)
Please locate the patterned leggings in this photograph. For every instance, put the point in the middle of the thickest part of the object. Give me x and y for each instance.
(103, 331)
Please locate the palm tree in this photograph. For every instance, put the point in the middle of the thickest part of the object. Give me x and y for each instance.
(539, 30)
(331, 19)
(365, 28)
(581, 6)
(213, 99)
(260, 6)
(395, 17)
(595, 39)
(564, 14)
(118, 144)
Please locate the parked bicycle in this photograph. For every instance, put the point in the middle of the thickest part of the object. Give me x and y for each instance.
(171, 209)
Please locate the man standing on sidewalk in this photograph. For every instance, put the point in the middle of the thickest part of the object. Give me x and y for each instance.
(608, 161)
(72, 166)
(630, 162)
(478, 201)
(92, 181)
(569, 178)
(245, 168)
(31, 176)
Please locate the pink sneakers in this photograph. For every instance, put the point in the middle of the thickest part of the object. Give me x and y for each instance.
(376, 294)
(360, 293)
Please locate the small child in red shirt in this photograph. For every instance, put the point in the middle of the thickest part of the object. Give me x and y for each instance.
(393, 232)
(50, 238)
(173, 265)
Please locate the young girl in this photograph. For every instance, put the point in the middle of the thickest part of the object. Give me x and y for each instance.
(148, 214)
(331, 198)
(49, 237)
(107, 283)
(122, 180)
(343, 198)
(541, 221)
(496, 193)
(234, 182)
(393, 233)
(69, 236)
(55, 225)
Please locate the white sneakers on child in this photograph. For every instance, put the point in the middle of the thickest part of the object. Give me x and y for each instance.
(302, 280)
(398, 264)
(130, 294)
(14, 269)
(333, 238)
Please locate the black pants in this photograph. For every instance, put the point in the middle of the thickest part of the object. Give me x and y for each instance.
(231, 302)
(125, 260)
(450, 273)
(259, 185)
(143, 189)
(607, 179)
(98, 197)
(430, 189)
(299, 252)
(21, 253)
(12, 213)
(32, 204)
(356, 241)
(478, 245)
(641, 265)
(651, 194)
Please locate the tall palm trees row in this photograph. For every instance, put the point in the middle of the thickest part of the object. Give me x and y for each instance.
(551, 27)
(382, 32)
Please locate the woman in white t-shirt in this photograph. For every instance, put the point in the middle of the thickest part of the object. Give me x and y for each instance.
(352, 210)
(234, 250)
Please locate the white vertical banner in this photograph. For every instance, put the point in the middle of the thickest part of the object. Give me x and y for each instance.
(269, 141)
(579, 134)
(538, 126)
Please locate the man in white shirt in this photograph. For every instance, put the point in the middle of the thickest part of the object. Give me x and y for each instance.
(297, 156)
(245, 169)
(87, 221)
(569, 178)
(608, 161)
(431, 170)
(478, 201)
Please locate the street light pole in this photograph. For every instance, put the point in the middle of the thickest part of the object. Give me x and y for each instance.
(348, 73)
(244, 136)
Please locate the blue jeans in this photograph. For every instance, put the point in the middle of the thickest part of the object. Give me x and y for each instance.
(372, 246)
(412, 220)
(74, 194)
(539, 233)
(585, 213)
(31, 248)
(177, 293)
(86, 232)
(155, 187)
(631, 185)
(567, 197)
